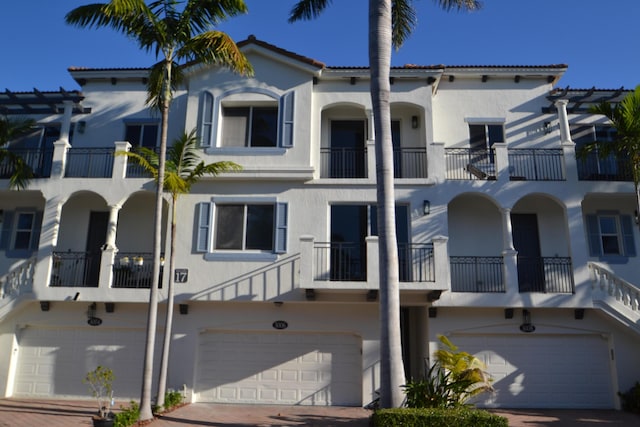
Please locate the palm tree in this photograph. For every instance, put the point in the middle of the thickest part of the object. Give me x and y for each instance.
(390, 23)
(183, 168)
(177, 32)
(625, 118)
(21, 172)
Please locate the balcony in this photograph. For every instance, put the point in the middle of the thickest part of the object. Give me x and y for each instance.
(546, 275)
(536, 164)
(472, 164)
(477, 274)
(39, 161)
(75, 269)
(594, 168)
(410, 162)
(344, 266)
(343, 162)
(89, 163)
(134, 270)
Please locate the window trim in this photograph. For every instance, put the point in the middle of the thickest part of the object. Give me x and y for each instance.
(141, 122)
(206, 223)
(285, 121)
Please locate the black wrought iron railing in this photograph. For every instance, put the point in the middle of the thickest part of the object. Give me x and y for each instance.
(545, 274)
(410, 162)
(594, 168)
(75, 269)
(477, 274)
(39, 161)
(134, 170)
(343, 162)
(416, 262)
(467, 163)
(536, 164)
(134, 270)
(89, 163)
(339, 261)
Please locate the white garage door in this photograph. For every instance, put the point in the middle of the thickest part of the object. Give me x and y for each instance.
(279, 368)
(537, 371)
(53, 362)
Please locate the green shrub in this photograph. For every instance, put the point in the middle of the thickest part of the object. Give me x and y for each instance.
(437, 417)
(631, 399)
(128, 415)
(172, 398)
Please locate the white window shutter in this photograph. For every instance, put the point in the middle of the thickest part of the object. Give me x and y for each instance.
(281, 227)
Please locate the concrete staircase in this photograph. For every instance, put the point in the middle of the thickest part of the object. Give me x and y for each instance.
(16, 286)
(615, 296)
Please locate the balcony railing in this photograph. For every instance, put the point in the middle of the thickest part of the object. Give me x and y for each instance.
(416, 262)
(134, 270)
(38, 160)
(545, 274)
(134, 170)
(340, 261)
(74, 269)
(89, 163)
(410, 162)
(594, 168)
(343, 162)
(477, 274)
(466, 163)
(535, 164)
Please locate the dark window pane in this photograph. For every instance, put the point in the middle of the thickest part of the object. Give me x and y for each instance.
(234, 126)
(25, 222)
(608, 225)
(23, 240)
(264, 127)
(477, 137)
(610, 245)
(229, 226)
(496, 134)
(132, 134)
(150, 136)
(260, 227)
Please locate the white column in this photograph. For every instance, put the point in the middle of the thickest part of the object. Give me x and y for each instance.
(371, 146)
(109, 249)
(507, 232)
(306, 262)
(565, 133)
(436, 169)
(373, 255)
(120, 162)
(66, 121)
(441, 261)
(48, 241)
(502, 161)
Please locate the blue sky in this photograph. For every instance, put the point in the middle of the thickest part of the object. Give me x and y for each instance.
(597, 39)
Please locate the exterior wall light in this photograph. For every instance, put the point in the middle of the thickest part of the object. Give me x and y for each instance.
(426, 207)
(414, 122)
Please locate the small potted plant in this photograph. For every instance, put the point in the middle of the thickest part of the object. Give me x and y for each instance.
(100, 382)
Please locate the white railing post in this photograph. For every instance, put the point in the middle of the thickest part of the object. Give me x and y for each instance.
(306, 261)
(502, 161)
(436, 164)
(120, 162)
(373, 270)
(441, 263)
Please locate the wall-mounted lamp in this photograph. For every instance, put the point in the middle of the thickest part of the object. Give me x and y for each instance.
(578, 313)
(526, 322)
(508, 313)
(426, 207)
(433, 312)
(414, 122)
(109, 307)
(278, 303)
(81, 126)
(352, 80)
(372, 295)
(44, 305)
(184, 309)
(547, 128)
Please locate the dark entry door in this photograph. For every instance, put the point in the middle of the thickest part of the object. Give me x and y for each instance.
(348, 233)
(96, 238)
(347, 149)
(526, 241)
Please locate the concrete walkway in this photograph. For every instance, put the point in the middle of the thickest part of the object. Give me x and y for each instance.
(63, 413)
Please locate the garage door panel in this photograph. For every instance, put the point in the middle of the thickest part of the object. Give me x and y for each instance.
(569, 371)
(278, 368)
(53, 362)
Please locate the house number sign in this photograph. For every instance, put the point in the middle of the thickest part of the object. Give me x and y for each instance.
(180, 275)
(94, 321)
(280, 324)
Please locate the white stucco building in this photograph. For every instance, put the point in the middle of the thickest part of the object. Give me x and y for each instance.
(508, 244)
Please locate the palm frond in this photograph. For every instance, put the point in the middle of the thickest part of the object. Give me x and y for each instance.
(215, 47)
(21, 172)
(200, 15)
(146, 158)
(460, 5)
(306, 10)
(404, 20)
(11, 129)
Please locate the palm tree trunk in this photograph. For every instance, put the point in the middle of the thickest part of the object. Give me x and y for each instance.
(166, 344)
(391, 364)
(146, 412)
